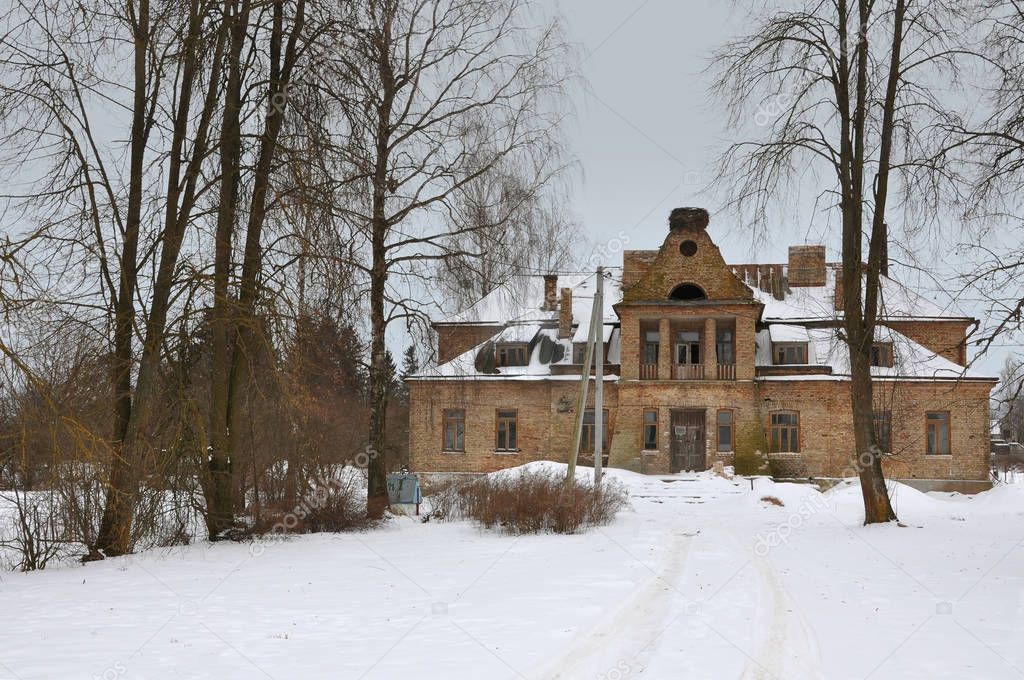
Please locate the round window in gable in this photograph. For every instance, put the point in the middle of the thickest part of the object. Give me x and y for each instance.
(688, 248)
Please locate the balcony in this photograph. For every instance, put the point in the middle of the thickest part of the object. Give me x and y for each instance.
(690, 372)
(687, 371)
(684, 349)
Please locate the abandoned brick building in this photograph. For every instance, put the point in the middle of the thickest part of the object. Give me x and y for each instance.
(704, 361)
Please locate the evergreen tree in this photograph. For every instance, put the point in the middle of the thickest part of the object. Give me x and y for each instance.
(410, 366)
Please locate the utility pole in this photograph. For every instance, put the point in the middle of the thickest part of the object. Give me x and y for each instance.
(599, 377)
(596, 325)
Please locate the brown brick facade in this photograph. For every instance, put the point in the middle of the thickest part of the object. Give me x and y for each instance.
(546, 420)
(670, 267)
(545, 404)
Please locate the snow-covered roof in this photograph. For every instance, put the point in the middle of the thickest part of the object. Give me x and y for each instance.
(815, 303)
(517, 306)
(781, 332)
(521, 299)
(826, 348)
(518, 332)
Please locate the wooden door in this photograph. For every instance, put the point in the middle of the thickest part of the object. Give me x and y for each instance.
(689, 450)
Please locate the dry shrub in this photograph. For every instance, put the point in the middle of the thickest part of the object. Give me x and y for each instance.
(533, 502)
(445, 499)
(773, 500)
(337, 504)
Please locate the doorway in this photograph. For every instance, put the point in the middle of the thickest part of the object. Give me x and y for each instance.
(689, 450)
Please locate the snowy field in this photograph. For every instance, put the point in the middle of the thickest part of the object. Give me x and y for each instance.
(699, 579)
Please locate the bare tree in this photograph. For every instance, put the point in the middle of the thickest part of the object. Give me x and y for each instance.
(850, 89)
(1010, 399)
(432, 96)
(235, 327)
(994, 146)
(503, 229)
(99, 215)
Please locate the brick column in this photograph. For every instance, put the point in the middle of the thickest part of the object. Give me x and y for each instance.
(745, 346)
(665, 350)
(707, 348)
(631, 342)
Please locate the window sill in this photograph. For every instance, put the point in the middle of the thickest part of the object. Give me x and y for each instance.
(650, 450)
(453, 452)
(730, 451)
(938, 455)
(506, 452)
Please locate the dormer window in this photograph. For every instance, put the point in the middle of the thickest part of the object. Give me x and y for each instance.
(790, 352)
(510, 354)
(579, 351)
(881, 354)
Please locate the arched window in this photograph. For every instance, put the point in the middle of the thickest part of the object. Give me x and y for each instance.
(687, 291)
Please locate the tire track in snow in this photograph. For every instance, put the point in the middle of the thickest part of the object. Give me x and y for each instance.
(623, 636)
(785, 646)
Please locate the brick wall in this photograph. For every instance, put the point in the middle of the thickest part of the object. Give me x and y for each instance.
(670, 267)
(546, 421)
(454, 340)
(635, 264)
(946, 338)
(826, 426)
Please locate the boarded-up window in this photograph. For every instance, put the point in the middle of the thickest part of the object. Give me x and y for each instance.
(937, 430)
(650, 429)
(578, 350)
(507, 431)
(725, 430)
(455, 429)
(785, 432)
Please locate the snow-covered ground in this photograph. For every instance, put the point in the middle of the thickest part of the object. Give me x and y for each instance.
(700, 579)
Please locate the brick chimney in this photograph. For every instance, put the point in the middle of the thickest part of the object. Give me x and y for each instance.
(550, 293)
(806, 266)
(565, 314)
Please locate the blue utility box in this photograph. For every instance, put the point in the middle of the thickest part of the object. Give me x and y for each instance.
(404, 488)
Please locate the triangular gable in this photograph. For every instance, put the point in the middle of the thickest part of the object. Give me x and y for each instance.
(688, 256)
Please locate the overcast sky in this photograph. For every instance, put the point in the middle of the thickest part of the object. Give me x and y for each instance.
(647, 134)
